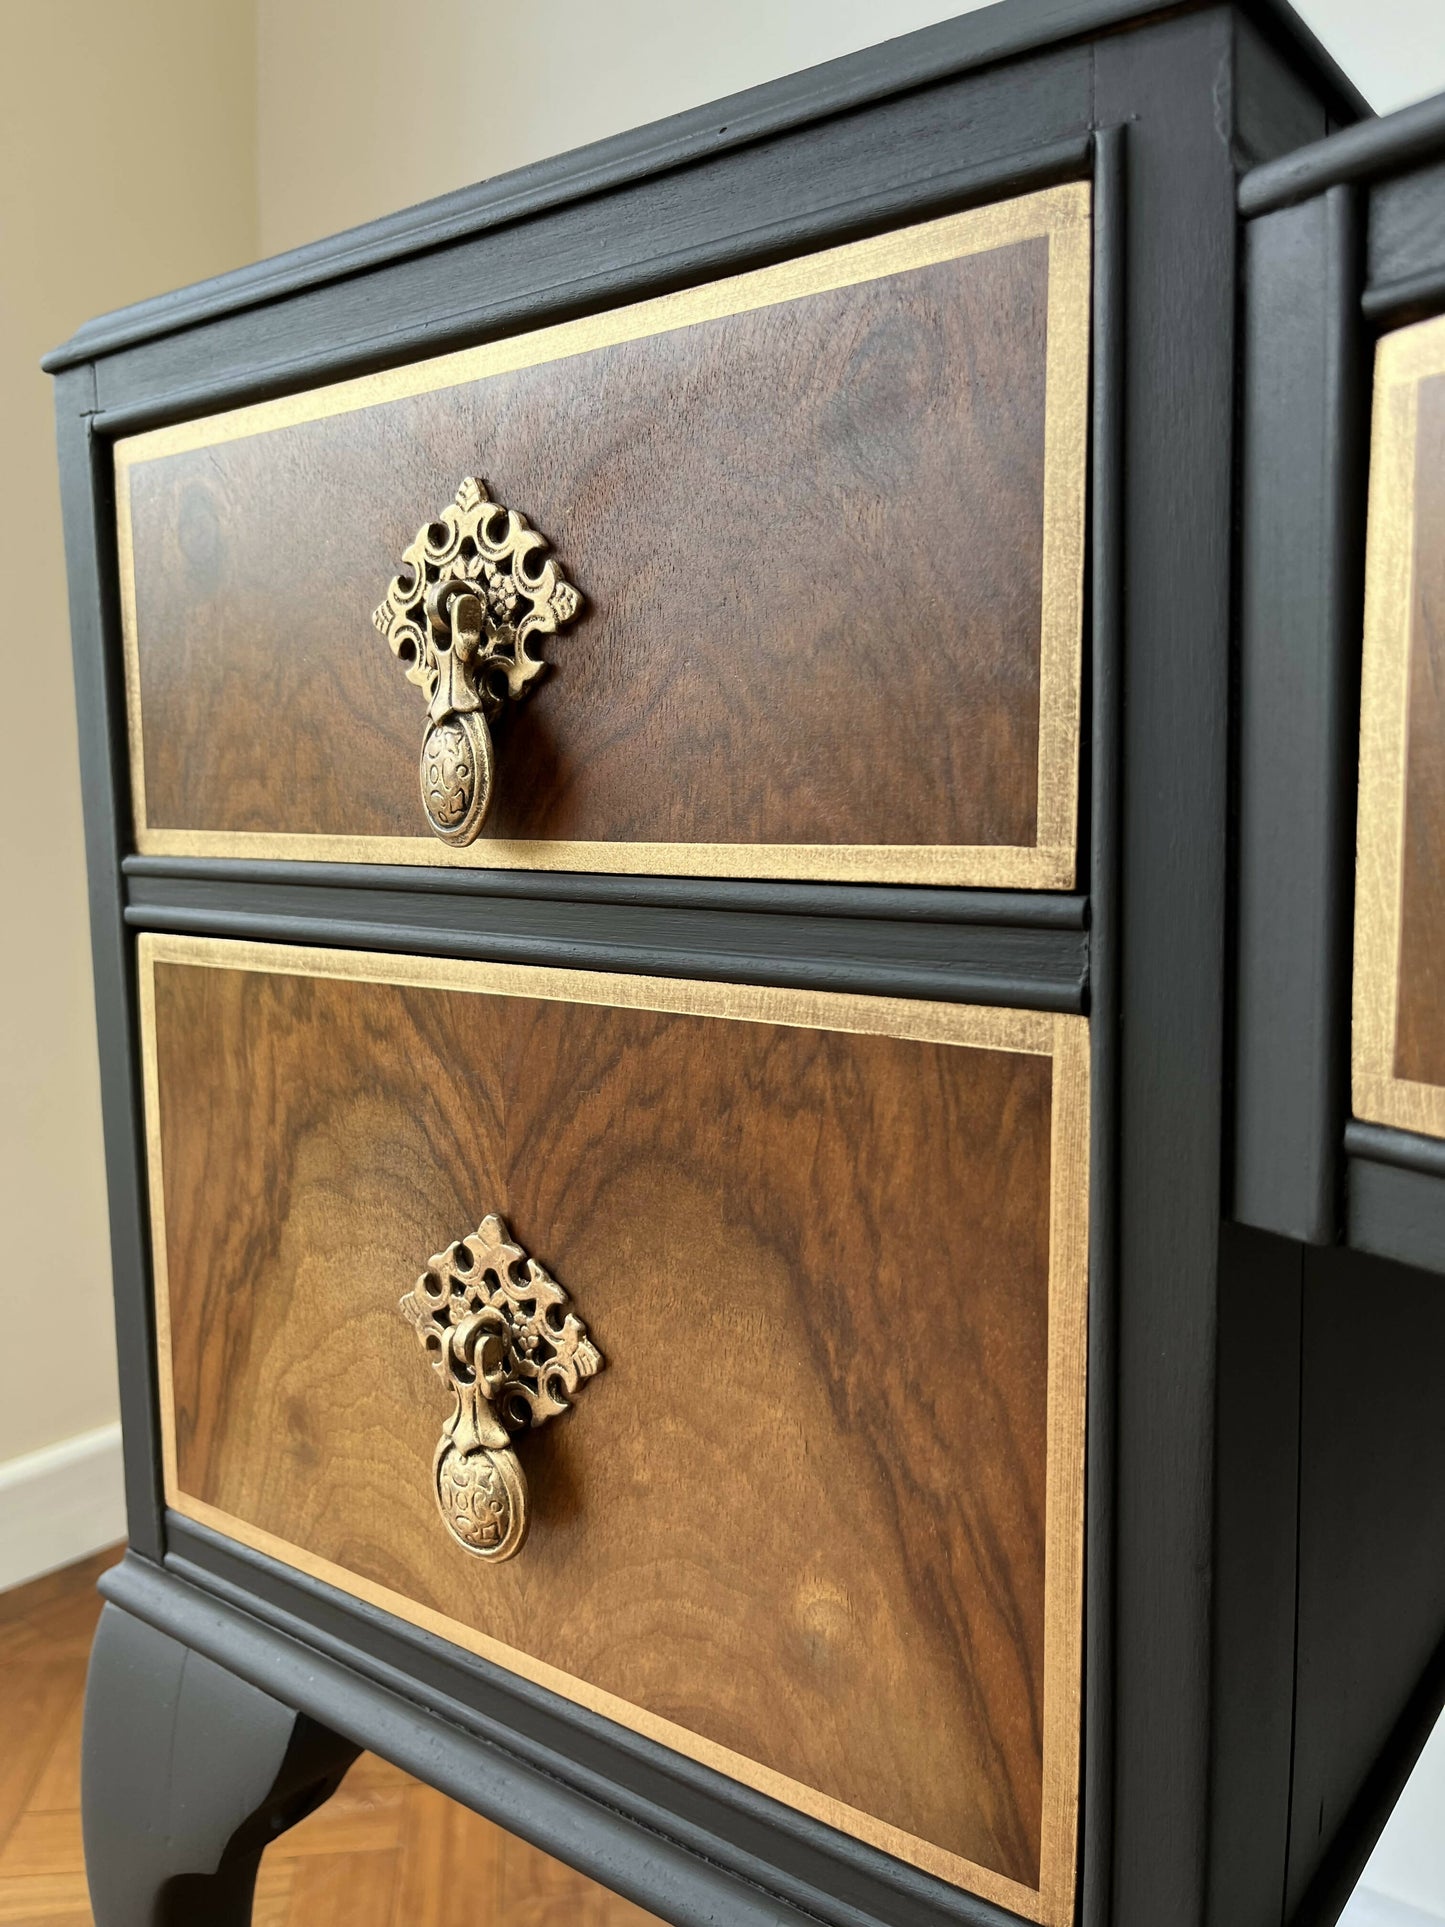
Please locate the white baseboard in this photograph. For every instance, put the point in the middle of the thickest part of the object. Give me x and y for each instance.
(60, 1504)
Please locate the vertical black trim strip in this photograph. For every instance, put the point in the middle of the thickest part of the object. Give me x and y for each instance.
(1176, 530)
(1105, 559)
(1301, 589)
(86, 505)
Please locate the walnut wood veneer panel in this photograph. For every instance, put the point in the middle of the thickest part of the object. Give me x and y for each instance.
(817, 1521)
(1399, 1043)
(831, 542)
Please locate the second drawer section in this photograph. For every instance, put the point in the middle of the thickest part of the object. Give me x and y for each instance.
(757, 1320)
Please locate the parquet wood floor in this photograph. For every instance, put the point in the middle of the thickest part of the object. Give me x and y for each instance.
(383, 1852)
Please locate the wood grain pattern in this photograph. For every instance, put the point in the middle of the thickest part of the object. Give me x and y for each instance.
(1420, 1015)
(384, 1850)
(802, 1513)
(813, 536)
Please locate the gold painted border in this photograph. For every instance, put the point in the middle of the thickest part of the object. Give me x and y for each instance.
(1065, 1039)
(1059, 214)
(1402, 361)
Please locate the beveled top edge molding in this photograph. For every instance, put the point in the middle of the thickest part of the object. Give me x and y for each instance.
(677, 269)
(925, 57)
(1377, 146)
(924, 903)
(1055, 213)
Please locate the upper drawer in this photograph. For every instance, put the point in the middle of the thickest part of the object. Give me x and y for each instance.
(827, 522)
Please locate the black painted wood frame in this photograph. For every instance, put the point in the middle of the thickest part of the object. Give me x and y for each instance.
(1161, 107)
(1344, 240)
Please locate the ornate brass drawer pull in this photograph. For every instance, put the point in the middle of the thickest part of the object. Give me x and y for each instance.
(473, 591)
(499, 1332)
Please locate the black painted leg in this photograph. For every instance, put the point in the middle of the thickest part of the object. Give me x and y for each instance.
(187, 1774)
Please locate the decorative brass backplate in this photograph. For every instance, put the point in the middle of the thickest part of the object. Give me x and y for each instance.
(472, 592)
(499, 1332)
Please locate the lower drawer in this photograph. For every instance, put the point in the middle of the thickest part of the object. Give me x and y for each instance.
(816, 1520)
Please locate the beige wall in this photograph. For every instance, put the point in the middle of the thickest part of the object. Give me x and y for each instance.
(372, 105)
(411, 98)
(126, 167)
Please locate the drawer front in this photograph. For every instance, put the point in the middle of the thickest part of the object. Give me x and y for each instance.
(1399, 1006)
(827, 522)
(817, 1520)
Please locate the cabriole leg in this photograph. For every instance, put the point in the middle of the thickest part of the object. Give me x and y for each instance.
(187, 1774)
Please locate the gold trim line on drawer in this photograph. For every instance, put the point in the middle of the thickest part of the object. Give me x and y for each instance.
(1402, 361)
(980, 866)
(1059, 214)
(1064, 1039)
